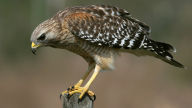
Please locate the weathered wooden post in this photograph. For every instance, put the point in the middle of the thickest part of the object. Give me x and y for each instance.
(74, 102)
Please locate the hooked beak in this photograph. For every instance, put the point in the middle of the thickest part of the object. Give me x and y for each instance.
(34, 47)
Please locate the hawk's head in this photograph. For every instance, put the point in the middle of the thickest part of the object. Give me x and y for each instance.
(44, 34)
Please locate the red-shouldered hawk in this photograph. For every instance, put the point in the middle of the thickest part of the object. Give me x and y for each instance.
(98, 33)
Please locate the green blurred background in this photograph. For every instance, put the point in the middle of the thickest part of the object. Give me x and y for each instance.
(28, 81)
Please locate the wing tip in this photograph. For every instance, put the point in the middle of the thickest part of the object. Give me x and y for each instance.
(177, 64)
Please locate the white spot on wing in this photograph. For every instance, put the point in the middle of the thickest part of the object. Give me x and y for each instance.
(112, 28)
(137, 35)
(115, 41)
(169, 58)
(112, 14)
(131, 43)
(107, 33)
(122, 42)
(110, 20)
(82, 32)
(142, 42)
(91, 35)
(94, 31)
(99, 34)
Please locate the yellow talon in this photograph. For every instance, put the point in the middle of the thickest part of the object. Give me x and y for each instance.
(81, 90)
(79, 83)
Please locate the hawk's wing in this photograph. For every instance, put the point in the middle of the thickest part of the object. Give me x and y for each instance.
(107, 26)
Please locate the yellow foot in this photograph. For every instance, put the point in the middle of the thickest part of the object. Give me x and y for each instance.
(78, 84)
(77, 89)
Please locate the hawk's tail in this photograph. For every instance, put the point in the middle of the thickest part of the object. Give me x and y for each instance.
(162, 51)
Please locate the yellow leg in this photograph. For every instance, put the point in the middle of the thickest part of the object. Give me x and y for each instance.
(90, 68)
(86, 87)
(77, 86)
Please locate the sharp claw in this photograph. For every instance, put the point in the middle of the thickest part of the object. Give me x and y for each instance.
(79, 100)
(68, 95)
(94, 97)
(60, 96)
(73, 87)
(82, 94)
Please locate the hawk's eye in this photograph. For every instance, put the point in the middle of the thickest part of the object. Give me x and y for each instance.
(42, 37)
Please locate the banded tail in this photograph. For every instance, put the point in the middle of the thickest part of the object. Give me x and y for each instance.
(162, 51)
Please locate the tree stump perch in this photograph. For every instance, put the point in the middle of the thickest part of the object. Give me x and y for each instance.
(74, 102)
